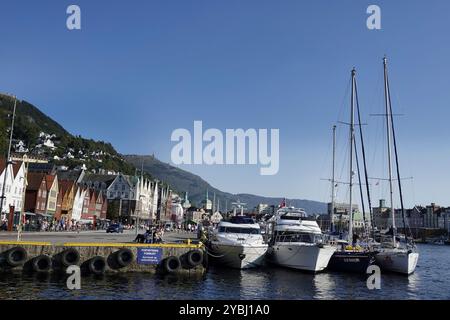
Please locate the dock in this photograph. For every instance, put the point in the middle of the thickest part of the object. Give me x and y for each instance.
(98, 253)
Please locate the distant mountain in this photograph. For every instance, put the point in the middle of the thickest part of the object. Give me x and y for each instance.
(181, 181)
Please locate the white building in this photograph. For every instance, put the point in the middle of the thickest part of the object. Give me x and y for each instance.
(78, 203)
(15, 175)
(155, 195)
(18, 186)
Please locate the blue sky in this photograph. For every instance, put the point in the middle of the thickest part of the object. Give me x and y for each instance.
(140, 69)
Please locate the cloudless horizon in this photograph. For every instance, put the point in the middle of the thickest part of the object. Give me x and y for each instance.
(138, 70)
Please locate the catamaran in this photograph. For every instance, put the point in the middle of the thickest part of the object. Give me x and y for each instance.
(394, 255)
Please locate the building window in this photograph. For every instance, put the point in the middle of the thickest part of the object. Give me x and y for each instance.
(123, 187)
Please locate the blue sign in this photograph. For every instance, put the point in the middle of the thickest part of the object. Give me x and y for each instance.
(149, 255)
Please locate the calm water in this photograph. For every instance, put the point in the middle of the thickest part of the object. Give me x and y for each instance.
(430, 281)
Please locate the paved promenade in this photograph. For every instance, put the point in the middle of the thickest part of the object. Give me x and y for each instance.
(99, 236)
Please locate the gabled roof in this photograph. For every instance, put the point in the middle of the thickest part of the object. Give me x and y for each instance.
(65, 186)
(72, 175)
(34, 180)
(101, 178)
(16, 167)
(49, 179)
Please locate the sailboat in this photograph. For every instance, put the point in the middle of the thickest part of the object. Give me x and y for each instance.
(349, 257)
(393, 255)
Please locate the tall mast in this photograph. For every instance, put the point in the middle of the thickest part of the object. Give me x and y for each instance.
(388, 131)
(352, 129)
(333, 181)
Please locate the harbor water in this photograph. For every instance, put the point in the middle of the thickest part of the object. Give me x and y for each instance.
(430, 281)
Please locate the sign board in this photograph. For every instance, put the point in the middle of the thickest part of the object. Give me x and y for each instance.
(149, 255)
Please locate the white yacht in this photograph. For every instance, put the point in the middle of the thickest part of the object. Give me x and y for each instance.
(297, 241)
(238, 243)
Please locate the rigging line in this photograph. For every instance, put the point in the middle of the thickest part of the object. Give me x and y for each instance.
(360, 187)
(364, 157)
(344, 99)
(396, 164)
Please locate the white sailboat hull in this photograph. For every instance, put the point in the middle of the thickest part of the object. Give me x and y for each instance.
(397, 260)
(239, 256)
(308, 257)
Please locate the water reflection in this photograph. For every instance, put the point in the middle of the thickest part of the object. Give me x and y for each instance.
(430, 281)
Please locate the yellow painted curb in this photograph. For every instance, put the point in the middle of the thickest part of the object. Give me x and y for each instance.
(32, 243)
(154, 245)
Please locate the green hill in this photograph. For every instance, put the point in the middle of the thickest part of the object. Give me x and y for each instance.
(30, 122)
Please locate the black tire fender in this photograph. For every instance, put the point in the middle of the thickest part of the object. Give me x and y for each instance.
(70, 257)
(124, 257)
(16, 256)
(97, 265)
(171, 264)
(41, 263)
(194, 258)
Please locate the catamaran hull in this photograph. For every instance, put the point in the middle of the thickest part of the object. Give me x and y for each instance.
(238, 256)
(397, 261)
(354, 262)
(312, 258)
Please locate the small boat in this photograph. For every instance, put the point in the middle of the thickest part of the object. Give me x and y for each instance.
(297, 242)
(238, 243)
(436, 241)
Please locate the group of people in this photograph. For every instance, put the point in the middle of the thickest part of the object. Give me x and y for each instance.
(186, 228)
(153, 234)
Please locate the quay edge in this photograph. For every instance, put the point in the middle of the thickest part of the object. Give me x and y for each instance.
(108, 251)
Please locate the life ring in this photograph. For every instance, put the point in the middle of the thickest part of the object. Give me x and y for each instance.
(194, 258)
(171, 264)
(124, 257)
(70, 257)
(97, 265)
(16, 256)
(42, 263)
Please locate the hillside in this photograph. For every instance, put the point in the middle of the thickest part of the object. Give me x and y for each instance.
(30, 122)
(196, 187)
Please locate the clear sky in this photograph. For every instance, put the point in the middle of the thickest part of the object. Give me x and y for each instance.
(140, 69)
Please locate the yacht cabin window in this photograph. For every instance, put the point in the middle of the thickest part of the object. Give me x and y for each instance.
(239, 230)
